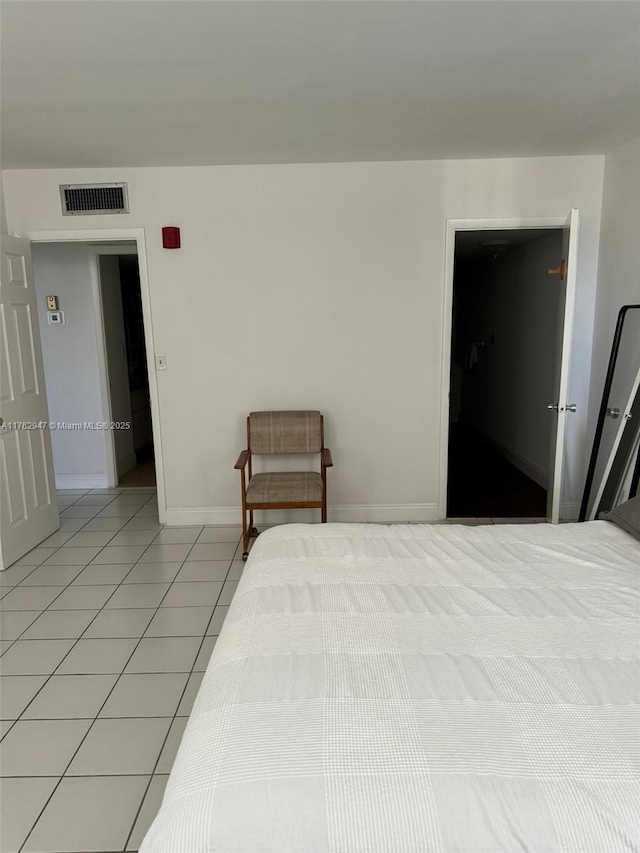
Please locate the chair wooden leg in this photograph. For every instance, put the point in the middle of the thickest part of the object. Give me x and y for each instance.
(245, 535)
(324, 494)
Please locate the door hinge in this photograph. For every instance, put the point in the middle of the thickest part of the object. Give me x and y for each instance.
(556, 407)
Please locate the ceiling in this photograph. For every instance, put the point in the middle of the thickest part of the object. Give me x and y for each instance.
(121, 83)
(469, 243)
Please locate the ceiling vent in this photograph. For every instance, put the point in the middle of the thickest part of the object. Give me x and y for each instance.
(84, 199)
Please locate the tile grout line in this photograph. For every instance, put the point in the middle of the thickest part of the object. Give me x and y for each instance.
(11, 588)
(83, 739)
(146, 791)
(77, 640)
(79, 530)
(97, 775)
(204, 637)
(11, 642)
(64, 588)
(60, 778)
(50, 676)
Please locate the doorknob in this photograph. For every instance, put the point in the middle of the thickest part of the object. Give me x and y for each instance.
(613, 413)
(553, 407)
(571, 407)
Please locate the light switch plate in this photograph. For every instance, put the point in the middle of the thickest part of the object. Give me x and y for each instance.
(161, 361)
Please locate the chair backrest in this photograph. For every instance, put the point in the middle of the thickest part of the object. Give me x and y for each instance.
(281, 433)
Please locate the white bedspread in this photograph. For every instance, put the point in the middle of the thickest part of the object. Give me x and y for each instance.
(418, 688)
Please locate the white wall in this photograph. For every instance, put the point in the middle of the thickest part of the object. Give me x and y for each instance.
(619, 265)
(71, 362)
(3, 211)
(512, 301)
(318, 286)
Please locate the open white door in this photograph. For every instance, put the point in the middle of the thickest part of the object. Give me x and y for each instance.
(117, 366)
(28, 509)
(560, 406)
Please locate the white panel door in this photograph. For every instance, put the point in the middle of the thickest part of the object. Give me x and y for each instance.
(28, 509)
(558, 406)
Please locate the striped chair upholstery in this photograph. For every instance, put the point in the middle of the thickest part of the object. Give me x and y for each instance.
(282, 433)
(285, 487)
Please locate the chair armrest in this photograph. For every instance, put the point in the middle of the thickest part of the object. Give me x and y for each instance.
(242, 459)
(327, 461)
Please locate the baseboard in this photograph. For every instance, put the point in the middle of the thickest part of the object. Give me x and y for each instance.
(82, 481)
(367, 513)
(530, 469)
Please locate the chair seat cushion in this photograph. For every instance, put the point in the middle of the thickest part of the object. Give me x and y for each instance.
(285, 487)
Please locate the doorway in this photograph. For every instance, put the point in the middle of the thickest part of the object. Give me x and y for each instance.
(503, 366)
(127, 378)
(95, 363)
(29, 511)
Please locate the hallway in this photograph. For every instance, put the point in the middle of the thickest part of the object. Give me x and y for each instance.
(483, 484)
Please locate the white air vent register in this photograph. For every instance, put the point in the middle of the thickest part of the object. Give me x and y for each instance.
(84, 199)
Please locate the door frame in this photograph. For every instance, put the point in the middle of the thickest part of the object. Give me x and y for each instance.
(452, 226)
(115, 236)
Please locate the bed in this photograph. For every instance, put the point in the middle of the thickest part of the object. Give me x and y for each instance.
(418, 688)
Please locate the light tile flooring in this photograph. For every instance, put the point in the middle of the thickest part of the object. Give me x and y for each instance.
(106, 630)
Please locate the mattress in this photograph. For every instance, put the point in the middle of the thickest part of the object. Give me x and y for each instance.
(418, 688)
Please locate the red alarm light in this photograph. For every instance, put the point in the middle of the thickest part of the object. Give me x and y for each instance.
(170, 237)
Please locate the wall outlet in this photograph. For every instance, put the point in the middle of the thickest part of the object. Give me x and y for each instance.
(55, 318)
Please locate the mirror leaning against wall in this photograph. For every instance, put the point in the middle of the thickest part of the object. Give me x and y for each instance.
(614, 467)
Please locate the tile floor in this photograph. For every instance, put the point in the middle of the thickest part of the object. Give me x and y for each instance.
(106, 630)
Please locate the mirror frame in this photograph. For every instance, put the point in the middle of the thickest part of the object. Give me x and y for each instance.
(602, 415)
